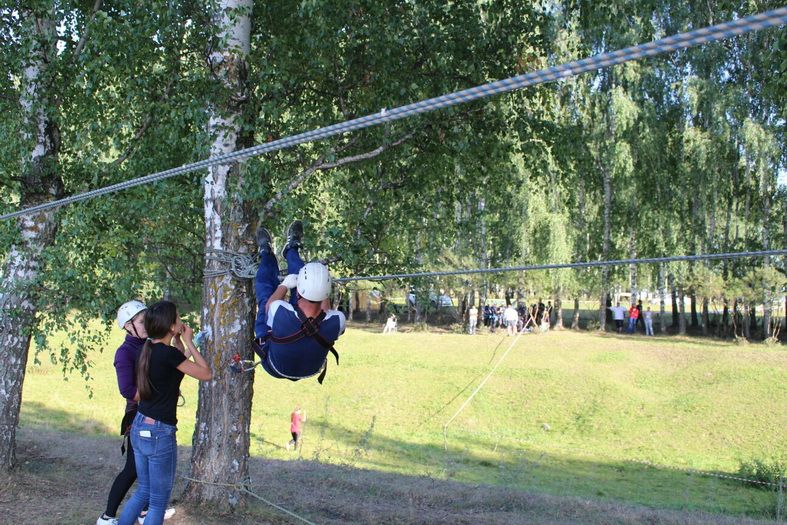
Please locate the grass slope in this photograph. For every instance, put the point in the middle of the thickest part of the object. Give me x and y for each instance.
(565, 414)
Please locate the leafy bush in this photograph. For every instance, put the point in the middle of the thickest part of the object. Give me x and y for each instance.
(765, 471)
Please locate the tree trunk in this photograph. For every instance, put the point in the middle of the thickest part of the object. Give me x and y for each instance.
(42, 183)
(674, 299)
(745, 321)
(368, 307)
(734, 318)
(221, 434)
(681, 310)
(575, 317)
(705, 316)
(765, 190)
(662, 301)
(693, 304)
(605, 248)
(558, 312)
(633, 275)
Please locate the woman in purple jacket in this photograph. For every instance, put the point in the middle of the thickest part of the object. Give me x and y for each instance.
(131, 318)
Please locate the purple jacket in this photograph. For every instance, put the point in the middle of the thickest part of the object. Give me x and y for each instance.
(126, 368)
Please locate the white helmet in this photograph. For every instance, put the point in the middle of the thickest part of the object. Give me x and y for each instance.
(128, 310)
(314, 282)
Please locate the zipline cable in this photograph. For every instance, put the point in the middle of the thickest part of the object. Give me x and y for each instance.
(558, 266)
(668, 44)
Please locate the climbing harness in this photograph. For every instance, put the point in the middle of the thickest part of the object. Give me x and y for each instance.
(310, 327)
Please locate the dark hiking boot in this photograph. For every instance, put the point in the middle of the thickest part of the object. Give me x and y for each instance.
(294, 236)
(264, 240)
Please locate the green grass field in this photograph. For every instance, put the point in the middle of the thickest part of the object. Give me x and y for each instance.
(565, 413)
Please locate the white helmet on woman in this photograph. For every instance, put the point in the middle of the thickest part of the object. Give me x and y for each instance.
(314, 282)
(128, 310)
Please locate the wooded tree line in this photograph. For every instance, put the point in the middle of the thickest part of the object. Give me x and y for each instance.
(672, 155)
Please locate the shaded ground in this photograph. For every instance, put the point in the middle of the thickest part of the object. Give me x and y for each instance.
(64, 478)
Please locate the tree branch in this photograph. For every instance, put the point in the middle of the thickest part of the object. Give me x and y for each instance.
(143, 127)
(321, 165)
(83, 39)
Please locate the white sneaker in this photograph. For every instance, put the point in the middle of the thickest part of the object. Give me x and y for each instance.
(106, 521)
(141, 520)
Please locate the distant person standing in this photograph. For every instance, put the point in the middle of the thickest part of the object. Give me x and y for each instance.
(472, 319)
(640, 319)
(492, 319)
(633, 316)
(618, 315)
(540, 312)
(511, 318)
(647, 315)
(297, 419)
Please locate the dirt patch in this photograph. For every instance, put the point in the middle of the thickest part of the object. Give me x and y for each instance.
(64, 479)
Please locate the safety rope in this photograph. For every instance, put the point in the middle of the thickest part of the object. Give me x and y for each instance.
(241, 265)
(478, 389)
(668, 44)
(243, 488)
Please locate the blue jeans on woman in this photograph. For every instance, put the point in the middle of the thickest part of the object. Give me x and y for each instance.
(156, 456)
(267, 280)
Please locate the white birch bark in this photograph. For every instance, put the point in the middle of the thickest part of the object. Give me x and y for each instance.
(22, 269)
(221, 434)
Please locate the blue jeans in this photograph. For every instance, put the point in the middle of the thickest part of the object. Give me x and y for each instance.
(156, 456)
(632, 325)
(267, 280)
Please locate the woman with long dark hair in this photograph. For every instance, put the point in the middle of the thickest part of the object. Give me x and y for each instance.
(131, 318)
(160, 370)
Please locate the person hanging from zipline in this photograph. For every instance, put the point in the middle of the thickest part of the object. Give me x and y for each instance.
(293, 338)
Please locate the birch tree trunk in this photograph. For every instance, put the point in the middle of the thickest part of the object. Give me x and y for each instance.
(681, 309)
(766, 245)
(673, 299)
(693, 310)
(607, 242)
(633, 274)
(221, 434)
(705, 316)
(662, 300)
(41, 183)
(784, 245)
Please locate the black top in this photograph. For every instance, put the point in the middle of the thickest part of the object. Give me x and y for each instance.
(165, 379)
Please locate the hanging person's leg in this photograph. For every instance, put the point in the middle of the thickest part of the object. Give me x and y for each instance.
(291, 253)
(266, 281)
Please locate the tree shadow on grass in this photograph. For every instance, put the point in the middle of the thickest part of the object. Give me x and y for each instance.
(364, 476)
(474, 459)
(36, 414)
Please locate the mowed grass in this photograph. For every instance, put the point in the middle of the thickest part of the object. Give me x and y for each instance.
(565, 413)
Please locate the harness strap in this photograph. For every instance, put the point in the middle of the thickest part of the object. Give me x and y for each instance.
(310, 328)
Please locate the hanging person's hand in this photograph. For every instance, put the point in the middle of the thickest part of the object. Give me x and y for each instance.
(291, 281)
